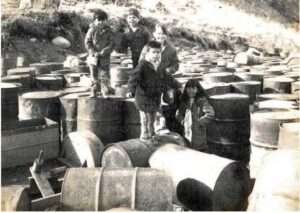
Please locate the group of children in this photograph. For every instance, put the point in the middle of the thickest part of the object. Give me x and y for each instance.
(151, 81)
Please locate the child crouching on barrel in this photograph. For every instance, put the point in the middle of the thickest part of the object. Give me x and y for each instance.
(146, 84)
(192, 113)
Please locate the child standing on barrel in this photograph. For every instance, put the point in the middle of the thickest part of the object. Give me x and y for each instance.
(99, 44)
(146, 84)
(192, 113)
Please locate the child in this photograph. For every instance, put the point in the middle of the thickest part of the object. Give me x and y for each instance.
(147, 84)
(169, 58)
(137, 36)
(99, 44)
(192, 114)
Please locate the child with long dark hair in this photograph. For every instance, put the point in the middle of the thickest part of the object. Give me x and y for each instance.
(192, 113)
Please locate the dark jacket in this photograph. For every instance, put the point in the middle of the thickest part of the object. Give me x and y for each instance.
(148, 85)
(100, 38)
(169, 58)
(136, 42)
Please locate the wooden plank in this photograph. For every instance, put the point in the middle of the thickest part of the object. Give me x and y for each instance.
(42, 183)
(46, 202)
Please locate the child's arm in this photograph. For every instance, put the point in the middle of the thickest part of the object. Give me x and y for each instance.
(174, 63)
(109, 47)
(134, 79)
(88, 41)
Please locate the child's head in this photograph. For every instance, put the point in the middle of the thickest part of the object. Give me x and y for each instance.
(153, 51)
(193, 89)
(160, 33)
(99, 16)
(133, 17)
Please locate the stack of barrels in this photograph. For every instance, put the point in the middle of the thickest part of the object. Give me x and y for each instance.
(229, 130)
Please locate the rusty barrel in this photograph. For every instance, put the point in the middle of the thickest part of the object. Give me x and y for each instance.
(277, 85)
(47, 67)
(277, 186)
(132, 124)
(39, 104)
(9, 101)
(102, 116)
(289, 136)
(82, 148)
(119, 75)
(135, 153)
(99, 189)
(25, 80)
(15, 198)
(48, 82)
(250, 88)
(224, 77)
(229, 139)
(223, 182)
(68, 113)
(230, 106)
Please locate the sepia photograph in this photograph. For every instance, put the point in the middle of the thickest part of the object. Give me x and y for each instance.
(150, 105)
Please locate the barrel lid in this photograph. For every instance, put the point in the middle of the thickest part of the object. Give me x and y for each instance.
(45, 64)
(4, 85)
(246, 83)
(72, 96)
(41, 94)
(277, 104)
(281, 96)
(230, 96)
(218, 74)
(278, 115)
(75, 89)
(48, 78)
(293, 127)
(15, 77)
(207, 85)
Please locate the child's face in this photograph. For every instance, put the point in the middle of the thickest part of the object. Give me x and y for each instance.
(132, 20)
(191, 91)
(98, 22)
(159, 35)
(153, 55)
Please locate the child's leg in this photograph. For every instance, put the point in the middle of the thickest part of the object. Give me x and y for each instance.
(151, 116)
(94, 79)
(144, 128)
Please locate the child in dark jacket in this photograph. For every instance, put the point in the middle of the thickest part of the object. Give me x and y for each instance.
(192, 113)
(99, 44)
(137, 37)
(147, 84)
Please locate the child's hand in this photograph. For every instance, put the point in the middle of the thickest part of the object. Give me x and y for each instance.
(129, 95)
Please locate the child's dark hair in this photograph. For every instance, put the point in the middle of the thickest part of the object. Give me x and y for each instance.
(192, 83)
(99, 14)
(154, 44)
(134, 12)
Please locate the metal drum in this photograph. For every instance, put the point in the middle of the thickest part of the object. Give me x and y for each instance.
(273, 96)
(215, 88)
(250, 76)
(250, 88)
(227, 182)
(82, 148)
(296, 88)
(15, 198)
(46, 82)
(68, 112)
(62, 72)
(25, 80)
(277, 85)
(273, 105)
(47, 67)
(102, 116)
(9, 101)
(99, 189)
(22, 71)
(39, 105)
(132, 124)
(119, 75)
(230, 106)
(224, 77)
(289, 136)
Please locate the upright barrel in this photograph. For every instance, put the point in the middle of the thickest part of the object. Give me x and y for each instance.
(102, 116)
(250, 88)
(224, 77)
(132, 124)
(283, 97)
(227, 180)
(277, 85)
(119, 75)
(15, 198)
(289, 136)
(46, 82)
(25, 80)
(9, 101)
(47, 67)
(39, 104)
(100, 189)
